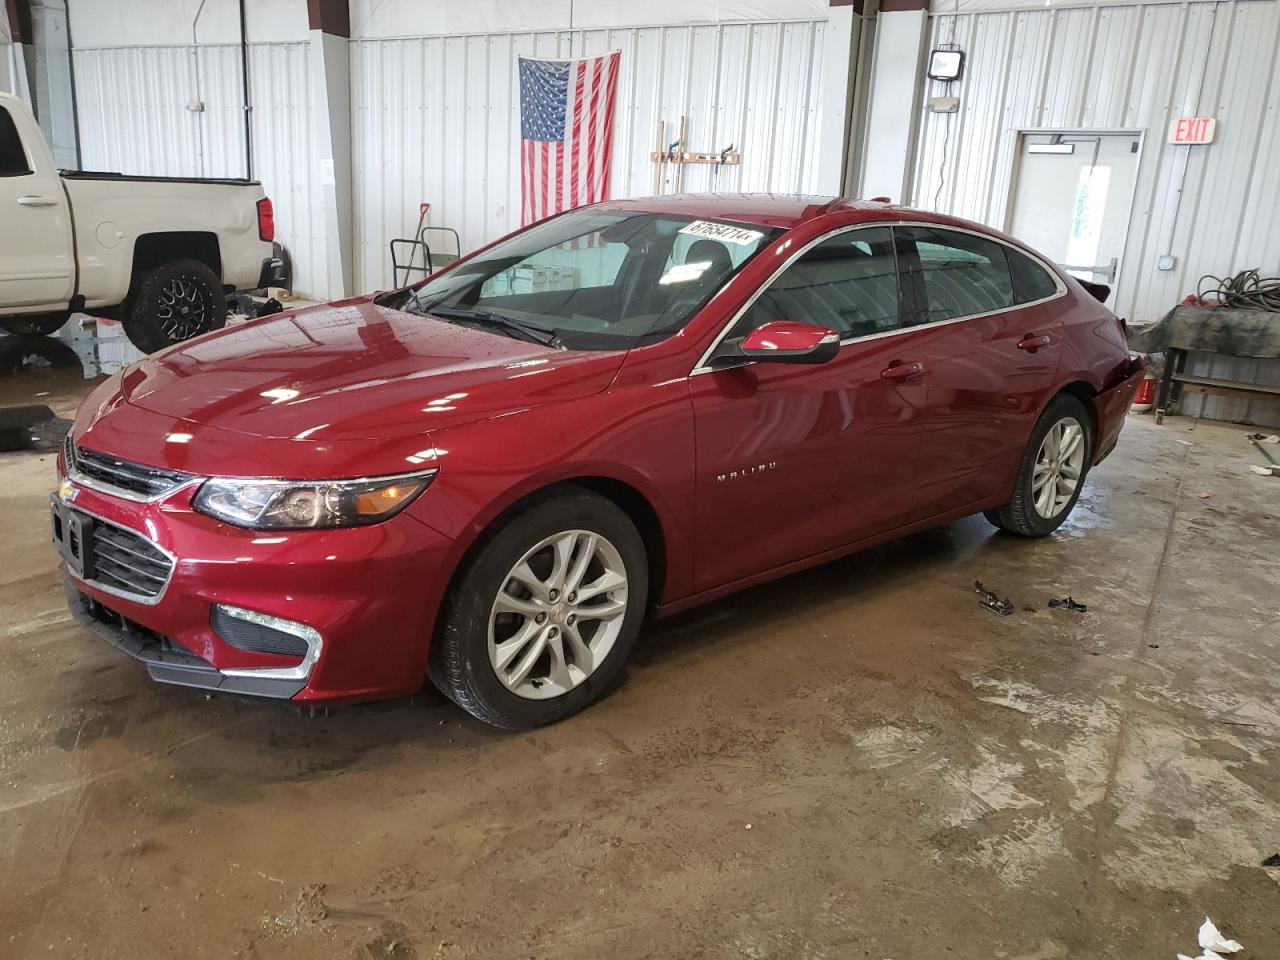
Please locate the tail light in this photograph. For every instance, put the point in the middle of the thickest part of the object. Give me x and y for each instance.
(266, 220)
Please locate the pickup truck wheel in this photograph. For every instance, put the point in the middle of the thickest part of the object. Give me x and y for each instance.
(543, 617)
(174, 302)
(37, 325)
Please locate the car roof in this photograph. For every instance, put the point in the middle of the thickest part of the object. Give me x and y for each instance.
(767, 209)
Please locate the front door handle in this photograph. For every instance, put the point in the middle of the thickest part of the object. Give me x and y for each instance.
(33, 201)
(1034, 343)
(902, 371)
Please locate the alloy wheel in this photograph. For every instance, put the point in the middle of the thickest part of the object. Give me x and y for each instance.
(182, 309)
(557, 614)
(1059, 465)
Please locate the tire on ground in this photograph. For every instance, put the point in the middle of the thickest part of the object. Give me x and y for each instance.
(173, 302)
(1019, 515)
(459, 663)
(36, 325)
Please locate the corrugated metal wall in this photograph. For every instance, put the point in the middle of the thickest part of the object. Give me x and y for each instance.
(132, 105)
(436, 119)
(1132, 67)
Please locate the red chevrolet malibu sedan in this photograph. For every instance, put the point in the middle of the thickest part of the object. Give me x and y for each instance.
(490, 478)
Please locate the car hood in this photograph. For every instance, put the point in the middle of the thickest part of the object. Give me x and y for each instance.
(355, 370)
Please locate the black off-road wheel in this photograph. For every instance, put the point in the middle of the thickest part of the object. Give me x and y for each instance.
(543, 616)
(1053, 471)
(36, 325)
(173, 302)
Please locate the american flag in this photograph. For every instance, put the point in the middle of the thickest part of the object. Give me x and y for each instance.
(566, 132)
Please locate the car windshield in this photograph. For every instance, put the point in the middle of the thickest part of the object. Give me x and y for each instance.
(594, 279)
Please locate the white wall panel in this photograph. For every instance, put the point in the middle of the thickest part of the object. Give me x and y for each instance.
(436, 119)
(1135, 66)
(382, 19)
(132, 104)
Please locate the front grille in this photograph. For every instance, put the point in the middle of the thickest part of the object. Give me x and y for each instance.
(127, 561)
(255, 637)
(131, 479)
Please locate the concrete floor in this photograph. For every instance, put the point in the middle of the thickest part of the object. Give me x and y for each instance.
(854, 762)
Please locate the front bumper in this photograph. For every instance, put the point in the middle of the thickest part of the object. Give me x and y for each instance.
(164, 660)
(371, 593)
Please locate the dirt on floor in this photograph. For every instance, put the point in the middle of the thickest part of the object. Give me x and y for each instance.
(858, 761)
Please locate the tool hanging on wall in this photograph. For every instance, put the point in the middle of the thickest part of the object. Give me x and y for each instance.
(676, 155)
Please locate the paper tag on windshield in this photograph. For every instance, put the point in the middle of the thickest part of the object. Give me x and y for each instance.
(722, 232)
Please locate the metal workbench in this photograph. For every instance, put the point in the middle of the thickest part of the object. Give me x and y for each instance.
(1229, 331)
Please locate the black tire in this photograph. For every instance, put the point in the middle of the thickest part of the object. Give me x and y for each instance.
(173, 302)
(459, 663)
(36, 325)
(1019, 515)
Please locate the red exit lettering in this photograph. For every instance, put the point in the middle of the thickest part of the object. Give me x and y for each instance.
(1192, 130)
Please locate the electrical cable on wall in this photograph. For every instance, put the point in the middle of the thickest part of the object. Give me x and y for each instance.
(942, 164)
(1248, 288)
(946, 135)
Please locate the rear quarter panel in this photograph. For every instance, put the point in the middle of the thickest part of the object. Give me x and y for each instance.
(111, 214)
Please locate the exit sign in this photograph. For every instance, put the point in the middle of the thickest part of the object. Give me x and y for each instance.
(1192, 130)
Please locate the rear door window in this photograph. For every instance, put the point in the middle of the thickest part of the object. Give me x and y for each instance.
(962, 274)
(13, 160)
(1031, 282)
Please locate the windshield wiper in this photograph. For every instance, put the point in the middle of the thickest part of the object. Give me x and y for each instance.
(522, 329)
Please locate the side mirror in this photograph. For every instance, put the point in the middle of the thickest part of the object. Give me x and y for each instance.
(782, 341)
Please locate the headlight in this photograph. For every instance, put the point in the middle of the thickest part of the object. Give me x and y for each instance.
(299, 504)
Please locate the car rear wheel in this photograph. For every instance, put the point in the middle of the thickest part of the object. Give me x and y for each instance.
(544, 615)
(1053, 471)
(174, 302)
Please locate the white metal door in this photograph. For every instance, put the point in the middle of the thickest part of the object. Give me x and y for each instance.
(1072, 199)
(37, 265)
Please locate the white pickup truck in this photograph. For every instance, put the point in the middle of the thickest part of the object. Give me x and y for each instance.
(159, 254)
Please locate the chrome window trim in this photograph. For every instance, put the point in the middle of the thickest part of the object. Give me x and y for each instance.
(116, 591)
(1061, 288)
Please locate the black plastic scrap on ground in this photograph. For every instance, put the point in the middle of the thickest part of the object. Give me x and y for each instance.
(1005, 607)
(993, 603)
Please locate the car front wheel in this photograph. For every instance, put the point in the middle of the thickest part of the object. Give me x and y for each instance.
(1052, 473)
(543, 617)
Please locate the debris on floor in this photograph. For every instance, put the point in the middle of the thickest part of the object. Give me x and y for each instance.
(1213, 943)
(1069, 603)
(1272, 861)
(31, 427)
(993, 603)
(1273, 465)
(1263, 437)
(1204, 495)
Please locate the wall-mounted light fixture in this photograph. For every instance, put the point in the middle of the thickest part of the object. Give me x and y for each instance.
(946, 63)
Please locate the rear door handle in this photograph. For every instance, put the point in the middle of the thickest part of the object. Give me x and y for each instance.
(902, 371)
(1034, 342)
(33, 201)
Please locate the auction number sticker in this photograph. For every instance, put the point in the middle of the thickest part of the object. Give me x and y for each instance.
(722, 232)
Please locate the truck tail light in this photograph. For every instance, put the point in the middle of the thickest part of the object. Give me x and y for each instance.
(266, 220)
